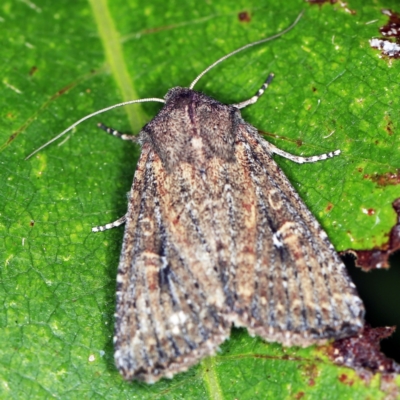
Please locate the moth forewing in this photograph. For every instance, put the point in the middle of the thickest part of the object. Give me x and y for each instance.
(169, 303)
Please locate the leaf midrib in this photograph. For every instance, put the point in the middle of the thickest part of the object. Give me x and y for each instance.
(111, 42)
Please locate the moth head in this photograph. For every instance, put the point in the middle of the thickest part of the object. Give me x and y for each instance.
(192, 128)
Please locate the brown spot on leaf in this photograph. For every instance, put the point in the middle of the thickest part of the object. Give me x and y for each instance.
(310, 371)
(362, 352)
(244, 16)
(63, 90)
(345, 379)
(320, 2)
(378, 257)
(12, 137)
(32, 223)
(389, 126)
(33, 70)
(299, 395)
(359, 169)
(329, 207)
(385, 179)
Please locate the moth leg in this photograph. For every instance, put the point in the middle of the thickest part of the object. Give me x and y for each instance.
(253, 99)
(117, 134)
(270, 148)
(111, 225)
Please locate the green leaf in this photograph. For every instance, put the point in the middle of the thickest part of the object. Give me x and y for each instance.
(62, 60)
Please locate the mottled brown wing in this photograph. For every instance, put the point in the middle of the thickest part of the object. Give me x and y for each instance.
(290, 283)
(224, 241)
(170, 300)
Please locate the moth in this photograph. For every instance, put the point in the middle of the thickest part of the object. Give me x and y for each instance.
(215, 236)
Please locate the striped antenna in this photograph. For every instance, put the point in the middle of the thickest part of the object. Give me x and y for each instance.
(125, 103)
(246, 47)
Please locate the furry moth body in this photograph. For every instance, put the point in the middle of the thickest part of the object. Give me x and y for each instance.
(216, 235)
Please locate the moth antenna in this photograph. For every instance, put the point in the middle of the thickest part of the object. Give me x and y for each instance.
(246, 47)
(125, 103)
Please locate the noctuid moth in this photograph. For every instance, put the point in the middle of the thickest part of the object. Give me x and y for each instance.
(216, 235)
